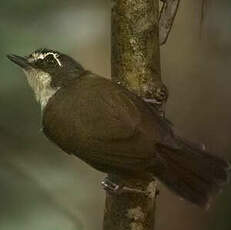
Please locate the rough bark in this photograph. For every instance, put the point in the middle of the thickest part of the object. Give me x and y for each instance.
(132, 209)
(136, 65)
(135, 48)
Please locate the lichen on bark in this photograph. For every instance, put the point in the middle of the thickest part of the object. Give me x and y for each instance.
(135, 61)
(135, 47)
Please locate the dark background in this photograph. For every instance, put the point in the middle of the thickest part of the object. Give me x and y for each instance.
(43, 188)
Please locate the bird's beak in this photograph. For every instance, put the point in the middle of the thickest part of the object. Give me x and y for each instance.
(21, 61)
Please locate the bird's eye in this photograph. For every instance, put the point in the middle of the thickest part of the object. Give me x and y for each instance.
(50, 60)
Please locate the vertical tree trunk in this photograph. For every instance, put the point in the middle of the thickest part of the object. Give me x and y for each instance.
(135, 45)
(136, 65)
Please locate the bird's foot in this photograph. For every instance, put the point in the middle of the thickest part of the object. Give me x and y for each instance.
(116, 187)
(111, 186)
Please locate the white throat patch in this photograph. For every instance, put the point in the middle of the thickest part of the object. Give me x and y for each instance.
(36, 56)
(40, 82)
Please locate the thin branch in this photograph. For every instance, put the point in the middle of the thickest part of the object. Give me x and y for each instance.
(204, 9)
(167, 16)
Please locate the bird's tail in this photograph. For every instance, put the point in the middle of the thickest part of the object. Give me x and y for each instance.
(192, 173)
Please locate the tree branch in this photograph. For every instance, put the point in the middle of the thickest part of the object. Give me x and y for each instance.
(135, 65)
(135, 48)
(134, 208)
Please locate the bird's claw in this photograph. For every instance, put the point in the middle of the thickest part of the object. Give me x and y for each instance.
(119, 188)
(110, 186)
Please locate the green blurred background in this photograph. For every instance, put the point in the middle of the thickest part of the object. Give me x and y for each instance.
(42, 188)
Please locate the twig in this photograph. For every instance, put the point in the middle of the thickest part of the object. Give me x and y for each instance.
(167, 16)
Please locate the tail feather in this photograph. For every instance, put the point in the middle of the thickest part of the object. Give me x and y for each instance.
(217, 168)
(192, 173)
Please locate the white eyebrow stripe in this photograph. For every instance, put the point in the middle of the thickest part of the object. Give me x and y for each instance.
(42, 56)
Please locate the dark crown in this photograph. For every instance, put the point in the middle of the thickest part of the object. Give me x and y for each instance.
(62, 68)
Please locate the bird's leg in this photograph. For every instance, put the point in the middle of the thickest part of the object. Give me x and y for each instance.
(116, 186)
(111, 185)
(157, 107)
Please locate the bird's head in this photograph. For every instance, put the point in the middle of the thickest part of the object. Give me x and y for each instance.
(47, 71)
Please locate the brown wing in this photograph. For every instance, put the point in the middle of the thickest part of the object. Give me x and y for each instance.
(103, 120)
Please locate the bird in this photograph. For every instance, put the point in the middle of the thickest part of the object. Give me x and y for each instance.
(115, 131)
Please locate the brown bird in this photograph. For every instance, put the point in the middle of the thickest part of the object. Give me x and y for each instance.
(114, 130)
